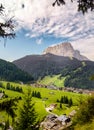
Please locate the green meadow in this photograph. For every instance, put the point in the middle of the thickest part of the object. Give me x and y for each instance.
(53, 80)
(48, 97)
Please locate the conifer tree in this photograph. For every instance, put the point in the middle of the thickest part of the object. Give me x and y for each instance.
(61, 105)
(33, 94)
(38, 95)
(7, 25)
(62, 100)
(27, 117)
(70, 102)
(8, 86)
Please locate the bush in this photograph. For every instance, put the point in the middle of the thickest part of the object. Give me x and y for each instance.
(36, 94)
(86, 112)
(1, 85)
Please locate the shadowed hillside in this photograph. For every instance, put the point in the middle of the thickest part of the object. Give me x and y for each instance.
(10, 72)
(48, 64)
(77, 73)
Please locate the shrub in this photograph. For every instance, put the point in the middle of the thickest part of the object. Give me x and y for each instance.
(86, 111)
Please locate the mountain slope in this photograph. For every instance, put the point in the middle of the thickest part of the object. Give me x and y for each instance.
(48, 64)
(79, 77)
(71, 76)
(10, 72)
(66, 50)
(77, 72)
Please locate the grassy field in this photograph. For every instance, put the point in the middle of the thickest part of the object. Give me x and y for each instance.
(53, 80)
(48, 97)
(87, 126)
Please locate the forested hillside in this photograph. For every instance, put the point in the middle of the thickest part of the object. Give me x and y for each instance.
(79, 77)
(76, 73)
(10, 72)
(42, 65)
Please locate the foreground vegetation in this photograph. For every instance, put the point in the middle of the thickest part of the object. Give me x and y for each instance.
(87, 126)
(84, 118)
(43, 97)
(47, 98)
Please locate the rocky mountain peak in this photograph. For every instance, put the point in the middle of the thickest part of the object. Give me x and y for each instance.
(66, 50)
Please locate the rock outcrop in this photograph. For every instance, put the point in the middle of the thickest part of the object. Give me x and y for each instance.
(66, 50)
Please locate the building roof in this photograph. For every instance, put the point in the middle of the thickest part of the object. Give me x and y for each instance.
(62, 118)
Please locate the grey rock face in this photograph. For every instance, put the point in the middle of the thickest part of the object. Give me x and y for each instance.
(66, 50)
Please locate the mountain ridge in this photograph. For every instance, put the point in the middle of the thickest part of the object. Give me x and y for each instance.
(66, 50)
(46, 64)
(76, 72)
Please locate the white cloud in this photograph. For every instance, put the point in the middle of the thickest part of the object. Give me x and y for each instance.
(39, 18)
(86, 47)
(39, 41)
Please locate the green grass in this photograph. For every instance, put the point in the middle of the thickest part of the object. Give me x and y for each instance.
(87, 126)
(40, 104)
(40, 109)
(53, 95)
(53, 80)
(64, 110)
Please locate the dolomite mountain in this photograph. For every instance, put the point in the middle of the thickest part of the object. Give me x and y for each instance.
(66, 50)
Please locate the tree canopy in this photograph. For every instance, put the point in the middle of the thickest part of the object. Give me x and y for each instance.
(83, 5)
(6, 27)
(27, 114)
(85, 112)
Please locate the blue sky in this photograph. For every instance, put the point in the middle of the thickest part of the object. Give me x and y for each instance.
(39, 25)
(21, 45)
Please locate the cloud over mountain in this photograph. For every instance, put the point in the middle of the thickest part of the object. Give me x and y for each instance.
(41, 18)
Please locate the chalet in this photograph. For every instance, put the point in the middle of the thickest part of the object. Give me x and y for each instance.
(53, 122)
(52, 87)
(51, 117)
(51, 107)
(63, 119)
(49, 123)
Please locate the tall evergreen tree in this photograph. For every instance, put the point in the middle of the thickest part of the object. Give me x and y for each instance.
(8, 86)
(38, 95)
(70, 102)
(61, 105)
(62, 100)
(27, 117)
(33, 94)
